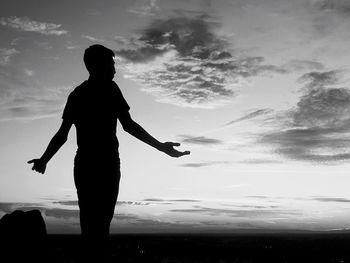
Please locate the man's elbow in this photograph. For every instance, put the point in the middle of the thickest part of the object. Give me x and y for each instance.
(129, 126)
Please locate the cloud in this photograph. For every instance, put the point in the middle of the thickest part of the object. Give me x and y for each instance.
(317, 129)
(296, 65)
(57, 220)
(329, 21)
(62, 220)
(119, 203)
(62, 213)
(145, 8)
(93, 39)
(29, 72)
(305, 145)
(213, 163)
(260, 161)
(250, 115)
(184, 200)
(246, 213)
(170, 200)
(131, 203)
(331, 199)
(183, 61)
(202, 140)
(204, 164)
(153, 200)
(6, 54)
(340, 6)
(28, 25)
(22, 97)
(9, 207)
(6, 207)
(317, 79)
(130, 223)
(67, 203)
(72, 46)
(322, 106)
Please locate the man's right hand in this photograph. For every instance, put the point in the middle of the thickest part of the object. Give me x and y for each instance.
(168, 148)
(38, 165)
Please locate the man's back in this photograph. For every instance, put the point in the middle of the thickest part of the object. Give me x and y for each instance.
(93, 107)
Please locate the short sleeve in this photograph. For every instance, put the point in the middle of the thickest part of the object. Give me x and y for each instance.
(68, 112)
(122, 105)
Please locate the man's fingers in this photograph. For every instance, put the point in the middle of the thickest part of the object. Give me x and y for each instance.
(31, 161)
(179, 154)
(184, 153)
(173, 143)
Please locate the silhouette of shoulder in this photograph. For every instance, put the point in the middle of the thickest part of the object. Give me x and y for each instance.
(90, 99)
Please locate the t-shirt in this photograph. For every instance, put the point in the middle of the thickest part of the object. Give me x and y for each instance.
(93, 107)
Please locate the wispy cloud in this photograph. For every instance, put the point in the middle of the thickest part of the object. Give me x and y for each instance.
(145, 8)
(318, 128)
(250, 115)
(28, 25)
(332, 199)
(245, 161)
(296, 65)
(6, 207)
(93, 39)
(71, 45)
(22, 97)
(168, 215)
(9, 207)
(329, 19)
(183, 61)
(67, 202)
(119, 203)
(201, 140)
(29, 72)
(341, 6)
(170, 200)
(144, 202)
(6, 54)
(246, 213)
(260, 161)
(62, 213)
(204, 164)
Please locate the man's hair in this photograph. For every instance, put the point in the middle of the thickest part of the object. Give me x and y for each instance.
(95, 56)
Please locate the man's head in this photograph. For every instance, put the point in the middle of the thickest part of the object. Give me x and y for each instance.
(99, 61)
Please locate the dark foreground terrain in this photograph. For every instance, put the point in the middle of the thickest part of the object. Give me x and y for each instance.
(221, 248)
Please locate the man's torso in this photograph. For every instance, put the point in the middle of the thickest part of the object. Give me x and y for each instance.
(93, 108)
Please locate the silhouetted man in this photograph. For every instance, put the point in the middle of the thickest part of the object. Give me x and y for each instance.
(94, 108)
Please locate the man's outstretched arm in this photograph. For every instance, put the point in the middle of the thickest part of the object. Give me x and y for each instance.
(130, 126)
(55, 144)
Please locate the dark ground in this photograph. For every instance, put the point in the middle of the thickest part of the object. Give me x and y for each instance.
(220, 248)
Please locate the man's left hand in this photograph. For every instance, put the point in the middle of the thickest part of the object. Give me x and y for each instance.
(168, 148)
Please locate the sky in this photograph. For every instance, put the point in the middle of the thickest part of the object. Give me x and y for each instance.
(257, 90)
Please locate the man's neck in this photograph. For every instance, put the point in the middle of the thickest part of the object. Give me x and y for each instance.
(99, 79)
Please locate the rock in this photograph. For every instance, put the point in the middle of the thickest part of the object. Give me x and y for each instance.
(22, 235)
(22, 224)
